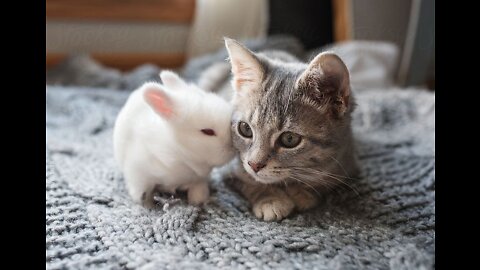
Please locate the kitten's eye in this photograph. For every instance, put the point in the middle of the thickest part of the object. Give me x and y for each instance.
(244, 130)
(289, 139)
(208, 131)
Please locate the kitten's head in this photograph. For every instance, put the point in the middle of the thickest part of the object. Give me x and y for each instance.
(290, 120)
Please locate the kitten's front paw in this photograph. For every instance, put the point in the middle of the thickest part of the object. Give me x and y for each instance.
(273, 208)
(303, 199)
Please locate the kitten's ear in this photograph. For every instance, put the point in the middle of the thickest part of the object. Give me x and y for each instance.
(172, 80)
(246, 68)
(158, 99)
(327, 81)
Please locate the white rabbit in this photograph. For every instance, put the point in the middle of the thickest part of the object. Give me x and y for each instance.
(169, 137)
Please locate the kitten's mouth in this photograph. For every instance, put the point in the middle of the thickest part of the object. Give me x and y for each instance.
(266, 180)
(259, 177)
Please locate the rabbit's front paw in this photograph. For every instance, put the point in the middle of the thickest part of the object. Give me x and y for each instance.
(143, 197)
(198, 193)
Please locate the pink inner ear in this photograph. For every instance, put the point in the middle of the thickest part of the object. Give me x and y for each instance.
(244, 75)
(159, 102)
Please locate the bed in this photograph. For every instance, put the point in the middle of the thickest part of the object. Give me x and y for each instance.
(386, 220)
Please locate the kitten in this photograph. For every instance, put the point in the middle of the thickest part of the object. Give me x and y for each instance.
(292, 128)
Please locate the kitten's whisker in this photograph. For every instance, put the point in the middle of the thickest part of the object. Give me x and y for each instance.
(326, 184)
(341, 166)
(342, 176)
(332, 176)
(314, 167)
(305, 183)
(346, 184)
(338, 178)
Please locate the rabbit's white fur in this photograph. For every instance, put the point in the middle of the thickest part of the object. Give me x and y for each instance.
(158, 142)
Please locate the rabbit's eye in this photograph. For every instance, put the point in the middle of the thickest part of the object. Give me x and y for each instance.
(208, 131)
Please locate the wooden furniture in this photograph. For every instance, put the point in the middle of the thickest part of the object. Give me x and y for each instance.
(130, 11)
(342, 20)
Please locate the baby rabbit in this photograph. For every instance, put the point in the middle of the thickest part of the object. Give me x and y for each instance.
(169, 137)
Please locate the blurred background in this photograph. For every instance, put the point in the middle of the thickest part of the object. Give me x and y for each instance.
(388, 41)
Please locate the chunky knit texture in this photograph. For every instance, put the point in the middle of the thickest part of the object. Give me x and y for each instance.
(387, 221)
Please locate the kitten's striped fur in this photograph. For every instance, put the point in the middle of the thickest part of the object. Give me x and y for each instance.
(275, 93)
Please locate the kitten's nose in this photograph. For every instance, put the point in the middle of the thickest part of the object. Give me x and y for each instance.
(256, 166)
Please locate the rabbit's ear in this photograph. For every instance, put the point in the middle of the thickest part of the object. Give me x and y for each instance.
(171, 80)
(159, 100)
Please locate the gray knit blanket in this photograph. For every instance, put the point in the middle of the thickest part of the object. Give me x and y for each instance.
(386, 220)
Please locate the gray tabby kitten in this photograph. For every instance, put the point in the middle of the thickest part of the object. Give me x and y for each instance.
(291, 127)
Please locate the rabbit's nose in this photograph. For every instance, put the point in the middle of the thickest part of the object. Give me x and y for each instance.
(256, 166)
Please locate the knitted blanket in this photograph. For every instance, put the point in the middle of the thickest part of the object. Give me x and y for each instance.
(386, 220)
